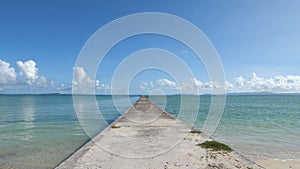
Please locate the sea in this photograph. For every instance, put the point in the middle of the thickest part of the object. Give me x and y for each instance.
(40, 131)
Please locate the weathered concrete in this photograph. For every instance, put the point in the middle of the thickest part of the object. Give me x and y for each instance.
(147, 137)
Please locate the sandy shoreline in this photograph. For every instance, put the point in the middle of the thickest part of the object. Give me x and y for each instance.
(280, 164)
(147, 137)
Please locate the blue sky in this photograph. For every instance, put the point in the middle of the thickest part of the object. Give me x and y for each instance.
(257, 42)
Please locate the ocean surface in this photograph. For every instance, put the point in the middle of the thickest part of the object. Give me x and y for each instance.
(39, 131)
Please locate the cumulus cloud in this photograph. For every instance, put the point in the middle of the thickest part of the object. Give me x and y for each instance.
(81, 81)
(52, 83)
(166, 82)
(240, 81)
(26, 78)
(254, 83)
(7, 73)
(29, 70)
(146, 87)
(84, 83)
(277, 84)
(43, 81)
(81, 78)
(195, 86)
(147, 84)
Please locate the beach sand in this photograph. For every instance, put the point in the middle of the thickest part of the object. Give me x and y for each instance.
(280, 164)
(147, 137)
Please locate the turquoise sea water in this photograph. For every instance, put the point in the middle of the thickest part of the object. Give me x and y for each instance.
(259, 127)
(39, 131)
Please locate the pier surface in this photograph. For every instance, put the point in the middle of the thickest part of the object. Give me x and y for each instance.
(148, 137)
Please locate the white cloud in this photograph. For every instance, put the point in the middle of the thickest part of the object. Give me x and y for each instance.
(197, 83)
(146, 85)
(277, 84)
(255, 83)
(43, 81)
(142, 87)
(84, 84)
(166, 82)
(7, 73)
(29, 71)
(195, 86)
(228, 85)
(191, 86)
(28, 78)
(81, 81)
(240, 81)
(52, 83)
(81, 78)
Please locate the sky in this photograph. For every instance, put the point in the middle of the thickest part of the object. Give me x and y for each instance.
(257, 43)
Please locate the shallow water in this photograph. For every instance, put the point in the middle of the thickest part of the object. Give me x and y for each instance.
(260, 127)
(39, 131)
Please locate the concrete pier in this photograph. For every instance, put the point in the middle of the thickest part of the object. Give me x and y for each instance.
(147, 137)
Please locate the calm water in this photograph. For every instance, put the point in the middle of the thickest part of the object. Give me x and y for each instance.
(260, 127)
(39, 131)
